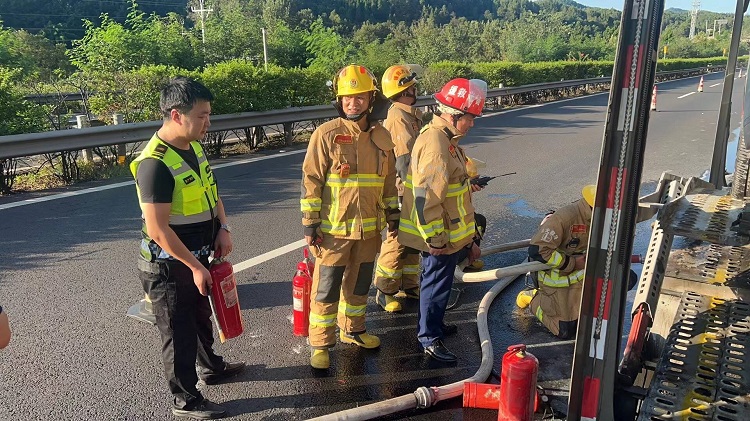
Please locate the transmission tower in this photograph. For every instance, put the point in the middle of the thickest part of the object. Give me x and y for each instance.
(694, 17)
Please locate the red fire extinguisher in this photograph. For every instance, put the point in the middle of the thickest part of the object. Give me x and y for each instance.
(301, 286)
(518, 385)
(225, 303)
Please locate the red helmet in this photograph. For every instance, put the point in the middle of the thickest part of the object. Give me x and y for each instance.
(464, 95)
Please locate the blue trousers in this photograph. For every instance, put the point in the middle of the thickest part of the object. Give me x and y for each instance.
(436, 280)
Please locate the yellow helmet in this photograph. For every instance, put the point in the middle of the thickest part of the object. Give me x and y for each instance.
(473, 165)
(589, 194)
(352, 80)
(397, 79)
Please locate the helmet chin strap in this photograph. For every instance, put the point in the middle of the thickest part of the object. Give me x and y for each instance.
(355, 117)
(455, 118)
(408, 94)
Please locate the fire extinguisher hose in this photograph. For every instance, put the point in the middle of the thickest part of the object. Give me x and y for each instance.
(211, 302)
(425, 397)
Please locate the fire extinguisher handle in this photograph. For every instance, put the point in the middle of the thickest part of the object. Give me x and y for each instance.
(517, 348)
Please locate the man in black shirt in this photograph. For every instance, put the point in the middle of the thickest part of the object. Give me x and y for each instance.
(183, 221)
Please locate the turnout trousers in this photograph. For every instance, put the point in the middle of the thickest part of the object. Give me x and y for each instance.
(341, 282)
(183, 318)
(396, 270)
(558, 308)
(436, 281)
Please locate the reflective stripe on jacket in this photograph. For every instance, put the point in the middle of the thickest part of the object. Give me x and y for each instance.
(349, 180)
(561, 236)
(194, 196)
(403, 123)
(437, 208)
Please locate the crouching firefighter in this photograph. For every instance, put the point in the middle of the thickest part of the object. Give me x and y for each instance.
(348, 197)
(561, 242)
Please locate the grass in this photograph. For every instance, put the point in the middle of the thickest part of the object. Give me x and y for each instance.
(49, 177)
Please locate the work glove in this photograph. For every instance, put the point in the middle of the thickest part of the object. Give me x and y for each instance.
(313, 234)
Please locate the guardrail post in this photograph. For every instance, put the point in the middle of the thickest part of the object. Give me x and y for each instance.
(82, 121)
(288, 134)
(257, 135)
(118, 118)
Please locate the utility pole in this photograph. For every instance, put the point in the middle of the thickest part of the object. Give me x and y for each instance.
(694, 17)
(202, 10)
(265, 50)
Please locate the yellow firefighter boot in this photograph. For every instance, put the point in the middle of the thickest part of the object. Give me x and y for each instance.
(389, 303)
(365, 340)
(475, 266)
(524, 297)
(320, 359)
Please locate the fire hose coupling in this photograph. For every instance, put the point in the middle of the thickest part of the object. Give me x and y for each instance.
(425, 397)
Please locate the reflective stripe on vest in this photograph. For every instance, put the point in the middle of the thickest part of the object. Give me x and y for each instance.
(332, 223)
(455, 235)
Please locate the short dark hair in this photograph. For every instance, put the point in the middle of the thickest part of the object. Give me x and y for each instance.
(182, 93)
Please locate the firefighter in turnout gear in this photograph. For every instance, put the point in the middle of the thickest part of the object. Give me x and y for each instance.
(561, 242)
(437, 213)
(348, 197)
(396, 269)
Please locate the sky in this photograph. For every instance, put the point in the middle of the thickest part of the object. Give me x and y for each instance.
(721, 6)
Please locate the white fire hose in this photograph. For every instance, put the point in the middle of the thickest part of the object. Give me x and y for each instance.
(425, 397)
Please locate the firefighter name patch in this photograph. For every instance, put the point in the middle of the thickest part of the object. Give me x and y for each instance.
(578, 229)
(343, 139)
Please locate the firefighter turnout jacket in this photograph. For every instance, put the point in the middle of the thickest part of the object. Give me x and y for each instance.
(437, 209)
(561, 236)
(349, 180)
(403, 123)
(194, 196)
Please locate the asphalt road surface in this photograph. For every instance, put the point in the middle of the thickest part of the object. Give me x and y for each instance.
(68, 276)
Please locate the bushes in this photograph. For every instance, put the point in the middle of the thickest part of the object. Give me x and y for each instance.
(239, 86)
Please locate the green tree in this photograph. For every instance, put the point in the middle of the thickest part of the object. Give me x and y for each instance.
(16, 116)
(328, 51)
(31, 53)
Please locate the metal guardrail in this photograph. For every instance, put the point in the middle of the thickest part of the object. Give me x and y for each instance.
(75, 139)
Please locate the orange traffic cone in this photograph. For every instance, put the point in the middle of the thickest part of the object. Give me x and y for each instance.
(653, 100)
(700, 85)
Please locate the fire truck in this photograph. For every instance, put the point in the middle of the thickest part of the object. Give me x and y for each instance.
(687, 355)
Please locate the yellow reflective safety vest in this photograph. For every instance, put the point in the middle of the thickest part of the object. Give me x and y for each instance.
(194, 196)
(349, 180)
(437, 208)
(561, 236)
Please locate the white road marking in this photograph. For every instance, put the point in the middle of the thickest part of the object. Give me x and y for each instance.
(247, 264)
(130, 183)
(715, 84)
(687, 94)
